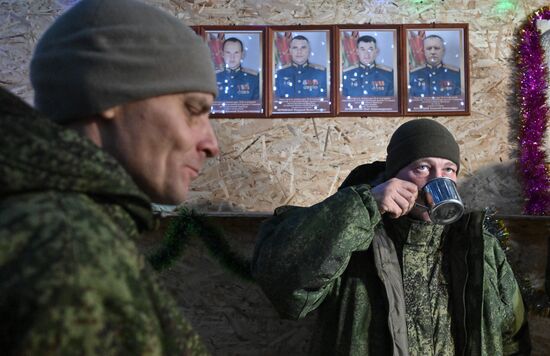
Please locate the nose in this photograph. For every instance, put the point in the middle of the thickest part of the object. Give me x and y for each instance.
(208, 142)
(434, 173)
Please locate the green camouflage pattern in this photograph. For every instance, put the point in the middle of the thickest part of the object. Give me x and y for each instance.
(320, 258)
(72, 281)
(425, 284)
(505, 330)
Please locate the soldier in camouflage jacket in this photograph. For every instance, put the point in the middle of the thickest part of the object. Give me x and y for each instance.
(71, 278)
(120, 124)
(386, 282)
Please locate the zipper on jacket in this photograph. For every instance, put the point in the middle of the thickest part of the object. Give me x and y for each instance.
(464, 303)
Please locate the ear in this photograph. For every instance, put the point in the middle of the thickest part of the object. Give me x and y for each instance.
(111, 113)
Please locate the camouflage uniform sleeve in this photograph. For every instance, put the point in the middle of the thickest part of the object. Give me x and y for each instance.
(73, 283)
(301, 253)
(513, 318)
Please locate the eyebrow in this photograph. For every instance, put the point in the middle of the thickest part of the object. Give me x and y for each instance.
(428, 161)
(199, 101)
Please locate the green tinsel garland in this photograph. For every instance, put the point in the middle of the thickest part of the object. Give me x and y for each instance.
(190, 224)
(537, 301)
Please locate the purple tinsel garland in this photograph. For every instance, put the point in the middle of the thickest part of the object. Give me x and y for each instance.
(533, 112)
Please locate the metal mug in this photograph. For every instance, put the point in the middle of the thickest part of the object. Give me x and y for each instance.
(443, 202)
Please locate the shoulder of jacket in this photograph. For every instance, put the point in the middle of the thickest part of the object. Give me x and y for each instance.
(285, 208)
(316, 66)
(351, 68)
(249, 71)
(451, 67)
(77, 215)
(418, 68)
(384, 67)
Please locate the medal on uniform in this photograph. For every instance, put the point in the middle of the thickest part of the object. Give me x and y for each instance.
(378, 85)
(243, 89)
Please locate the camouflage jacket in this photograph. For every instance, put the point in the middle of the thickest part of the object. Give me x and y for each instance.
(333, 257)
(72, 281)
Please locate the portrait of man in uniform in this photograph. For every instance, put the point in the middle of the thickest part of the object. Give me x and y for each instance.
(434, 77)
(437, 67)
(367, 62)
(367, 77)
(237, 55)
(236, 82)
(300, 78)
(301, 70)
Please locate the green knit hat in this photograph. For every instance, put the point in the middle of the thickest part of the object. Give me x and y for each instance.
(103, 53)
(417, 139)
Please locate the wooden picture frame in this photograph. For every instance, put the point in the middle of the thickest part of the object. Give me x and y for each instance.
(435, 70)
(367, 75)
(238, 54)
(301, 67)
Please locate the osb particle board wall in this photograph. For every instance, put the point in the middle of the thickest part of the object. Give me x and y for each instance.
(269, 162)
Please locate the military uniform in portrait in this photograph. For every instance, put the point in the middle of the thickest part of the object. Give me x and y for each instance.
(301, 81)
(237, 84)
(442, 80)
(368, 80)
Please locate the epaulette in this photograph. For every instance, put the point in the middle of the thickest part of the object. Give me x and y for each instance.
(316, 66)
(286, 66)
(249, 71)
(453, 68)
(418, 68)
(219, 70)
(384, 67)
(351, 68)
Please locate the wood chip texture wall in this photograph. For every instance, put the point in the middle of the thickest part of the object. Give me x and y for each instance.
(265, 163)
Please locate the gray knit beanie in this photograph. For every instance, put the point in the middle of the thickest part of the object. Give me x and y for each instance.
(103, 53)
(417, 139)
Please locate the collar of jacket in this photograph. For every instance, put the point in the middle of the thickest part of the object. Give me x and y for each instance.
(233, 70)
(301, 66)
(37, 154)
(367, 66)
(369, 173)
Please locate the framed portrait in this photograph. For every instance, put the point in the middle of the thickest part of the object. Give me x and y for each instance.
(301, 67)
(436, 70)
(238, 56)
(367, 70)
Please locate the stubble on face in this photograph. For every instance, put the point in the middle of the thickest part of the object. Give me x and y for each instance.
(163, 143)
